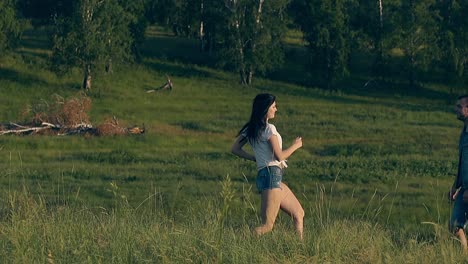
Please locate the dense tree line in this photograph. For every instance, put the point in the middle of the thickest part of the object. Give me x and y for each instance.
(246, 36)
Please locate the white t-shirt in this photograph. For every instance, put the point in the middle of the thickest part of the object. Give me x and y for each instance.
(262, 148)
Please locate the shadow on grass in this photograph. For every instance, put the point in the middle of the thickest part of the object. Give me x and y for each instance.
(34, 49)
(36, 38)
(36, 42)
(354, 95)
(20, 78)
(296, 70)
(35, 45)
(316, 93)
(383, 88)
(176, 49)
(180, 70)
(177, 56)
(198, 127)
(30, 56)
(401, 93)
(26, 80)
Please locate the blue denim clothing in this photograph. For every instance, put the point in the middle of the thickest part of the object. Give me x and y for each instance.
(460, 208)
(269, 178)
(463, 159)
(458, 218)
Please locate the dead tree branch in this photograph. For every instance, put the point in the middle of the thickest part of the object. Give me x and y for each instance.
(167, 86)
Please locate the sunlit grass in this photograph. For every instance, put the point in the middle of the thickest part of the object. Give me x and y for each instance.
(210, 230)
(294, 36)
(373, 169)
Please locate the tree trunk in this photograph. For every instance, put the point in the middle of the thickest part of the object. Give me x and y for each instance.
(240, 49)
(381, 14)
(109, 66)
(259, 12)
(329, 74)
(202, 30)
(250, 76)
(412, 62)
(210, 44)
(87, 78)
(377, 69)
(258, 17)
(243, 79)
(411, 73)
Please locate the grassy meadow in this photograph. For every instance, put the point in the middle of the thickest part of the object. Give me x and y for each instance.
(372, 174)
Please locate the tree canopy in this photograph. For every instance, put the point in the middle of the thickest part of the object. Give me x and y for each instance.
(10, 25)
(400, 39)
(98, 32)
(326, 29)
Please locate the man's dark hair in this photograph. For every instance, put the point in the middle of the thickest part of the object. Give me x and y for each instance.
(462, 96)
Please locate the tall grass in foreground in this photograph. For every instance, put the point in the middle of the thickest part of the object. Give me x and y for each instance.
(210, 230)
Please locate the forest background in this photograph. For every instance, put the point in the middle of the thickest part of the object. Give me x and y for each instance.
(370, 86)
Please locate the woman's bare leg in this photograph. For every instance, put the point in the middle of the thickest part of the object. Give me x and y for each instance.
(271, 200)
(292, 206)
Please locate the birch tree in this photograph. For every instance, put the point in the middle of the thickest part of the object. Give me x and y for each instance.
(416, 36)
(182, 16)
(453, 40)
(97, 32)
(325, 27)
(251, 41)
(372, 25)
(211, 23)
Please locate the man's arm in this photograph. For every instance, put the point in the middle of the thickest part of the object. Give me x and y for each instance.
(454, 190)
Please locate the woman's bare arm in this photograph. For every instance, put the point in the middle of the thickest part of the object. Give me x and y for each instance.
(237, 149)
(284, 154)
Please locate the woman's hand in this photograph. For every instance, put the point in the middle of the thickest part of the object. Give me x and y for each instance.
(298, 142)
(237, 149)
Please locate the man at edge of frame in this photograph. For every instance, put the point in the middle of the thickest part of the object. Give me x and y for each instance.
(459, 191)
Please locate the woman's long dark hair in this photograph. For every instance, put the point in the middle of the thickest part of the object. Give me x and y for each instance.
(257, 122)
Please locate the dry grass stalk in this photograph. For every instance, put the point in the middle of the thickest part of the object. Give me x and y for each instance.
(65, 117)
(110, 127)
(70, 112)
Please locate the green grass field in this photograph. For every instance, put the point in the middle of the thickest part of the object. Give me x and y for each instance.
(372, 174)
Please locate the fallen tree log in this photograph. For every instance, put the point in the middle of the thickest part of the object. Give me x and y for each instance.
(24, 130)
(61, 130)
(167, 86)
(67, 117)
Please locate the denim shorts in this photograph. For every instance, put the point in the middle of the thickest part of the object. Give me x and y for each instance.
(458, 217)
(269, 178)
